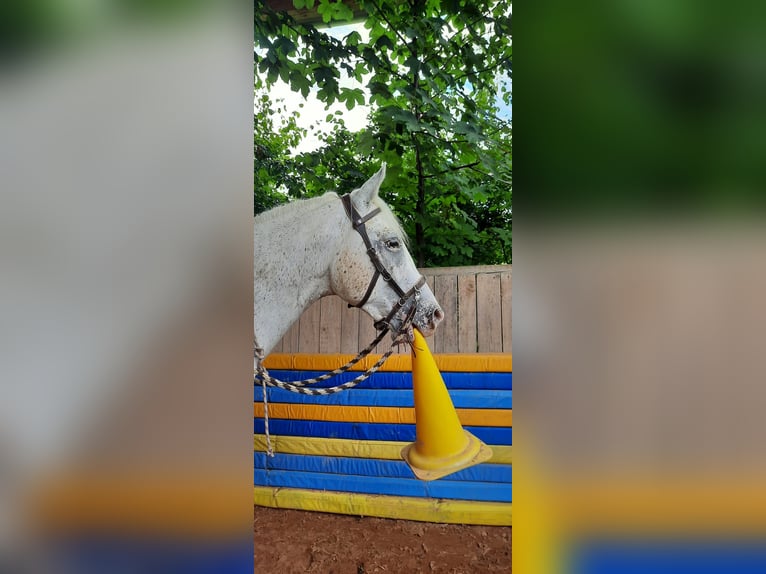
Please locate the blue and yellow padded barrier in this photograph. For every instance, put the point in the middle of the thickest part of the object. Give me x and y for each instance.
(341, 453)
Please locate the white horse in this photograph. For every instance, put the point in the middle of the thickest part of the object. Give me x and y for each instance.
(315, 247)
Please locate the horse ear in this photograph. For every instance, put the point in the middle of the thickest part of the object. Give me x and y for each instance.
(370, 188)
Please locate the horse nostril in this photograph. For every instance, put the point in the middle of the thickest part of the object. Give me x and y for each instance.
(438, 316)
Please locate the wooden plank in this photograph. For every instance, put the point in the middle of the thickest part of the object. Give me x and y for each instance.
(505, 289)
(464, 329)
(467, 270)
(349, 329)
(430, 340)
(291, 338)
(330, 324)
(445, 338)
(367, 331)
(400, 350)
(308, 339)
(466, 307)
(439, 334)
(488, 297)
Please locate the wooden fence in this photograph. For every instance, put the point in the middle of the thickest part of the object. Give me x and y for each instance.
(477, 309)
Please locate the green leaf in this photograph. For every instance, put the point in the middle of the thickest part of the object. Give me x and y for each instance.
(324, 74)
(353, 38)
(379, 88)
(284, 45)
(384, 42)
(284, 74)
(343, 12)
(413, 63)
(299, 82)
(325, 10)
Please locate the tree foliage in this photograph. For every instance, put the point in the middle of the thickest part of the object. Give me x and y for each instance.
(436, 72)
(273, 166)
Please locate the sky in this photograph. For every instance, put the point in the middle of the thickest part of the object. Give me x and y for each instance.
(314, 112)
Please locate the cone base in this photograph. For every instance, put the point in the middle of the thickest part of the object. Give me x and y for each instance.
(474, 453)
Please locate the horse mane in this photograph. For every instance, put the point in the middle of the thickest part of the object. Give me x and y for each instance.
(276, 212)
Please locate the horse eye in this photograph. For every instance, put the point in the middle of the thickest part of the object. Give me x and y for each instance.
(392, 244)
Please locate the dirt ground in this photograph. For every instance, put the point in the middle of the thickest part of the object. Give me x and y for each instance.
(288, 541)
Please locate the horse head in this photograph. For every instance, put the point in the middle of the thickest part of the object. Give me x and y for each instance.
(373, 269)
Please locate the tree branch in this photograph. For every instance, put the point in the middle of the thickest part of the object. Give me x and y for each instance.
(453, 168)
(391, 26)
(497, 177)
(485, 69)
(309, 31)
(455, 35)
(441, 139)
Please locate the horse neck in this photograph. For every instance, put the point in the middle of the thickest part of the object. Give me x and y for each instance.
(295, 246)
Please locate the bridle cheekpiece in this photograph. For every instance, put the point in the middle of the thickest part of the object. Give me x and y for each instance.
(357, 222)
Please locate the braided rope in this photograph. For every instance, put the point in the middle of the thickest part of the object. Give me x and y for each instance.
(263, 375)
(269, 449)
(404, 335)
(298, 386)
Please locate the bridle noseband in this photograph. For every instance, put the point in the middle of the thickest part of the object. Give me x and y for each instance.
(357, 222)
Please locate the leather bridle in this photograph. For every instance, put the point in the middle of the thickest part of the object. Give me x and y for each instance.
(357, 222)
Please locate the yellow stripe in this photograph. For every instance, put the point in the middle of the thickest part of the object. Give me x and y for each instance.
(400, 507)
(379, 449)
(386, 415)
(475, 363)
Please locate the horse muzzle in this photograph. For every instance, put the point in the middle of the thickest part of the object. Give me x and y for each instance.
(427, 318)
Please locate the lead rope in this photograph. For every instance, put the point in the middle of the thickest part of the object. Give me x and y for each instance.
(262, 373)
(258, 352)
(268, 381)
(403, 337)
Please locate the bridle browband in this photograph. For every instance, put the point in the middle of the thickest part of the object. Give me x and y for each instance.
(357, 222)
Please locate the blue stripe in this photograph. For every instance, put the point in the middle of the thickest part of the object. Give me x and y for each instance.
(372, 467)
(490, 399)
(489, 492)
(370, 431)
(403, 380)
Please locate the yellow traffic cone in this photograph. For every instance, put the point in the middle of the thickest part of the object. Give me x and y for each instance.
(442, 446)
